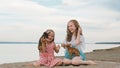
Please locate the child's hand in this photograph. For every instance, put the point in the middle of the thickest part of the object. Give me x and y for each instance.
(43, 40)
(63, 45)
(68, 45)
(58, 47)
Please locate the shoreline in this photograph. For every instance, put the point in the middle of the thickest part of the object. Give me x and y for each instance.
(105, 58)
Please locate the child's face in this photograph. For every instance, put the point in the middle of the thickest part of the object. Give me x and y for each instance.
(71, 27)
(50, 37)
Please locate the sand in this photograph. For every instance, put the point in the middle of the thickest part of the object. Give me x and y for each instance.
(105, 58)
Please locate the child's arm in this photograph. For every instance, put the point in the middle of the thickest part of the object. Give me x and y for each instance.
(78, 37)
(56, 48)
(43, 49)
(63, 45)
(43, 45)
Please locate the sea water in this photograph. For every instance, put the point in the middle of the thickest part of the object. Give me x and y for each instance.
(10, 53)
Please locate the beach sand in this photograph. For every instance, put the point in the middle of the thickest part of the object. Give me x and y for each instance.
(105, 58)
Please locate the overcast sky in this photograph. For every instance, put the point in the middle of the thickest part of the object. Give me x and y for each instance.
(26, 20)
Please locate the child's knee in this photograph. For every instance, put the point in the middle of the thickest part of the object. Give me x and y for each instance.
(67, 61)
(75, 62)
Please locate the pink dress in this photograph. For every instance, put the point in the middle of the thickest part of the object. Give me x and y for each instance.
(48, 58)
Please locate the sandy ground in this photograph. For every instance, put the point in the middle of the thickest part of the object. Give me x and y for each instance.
(105, 58)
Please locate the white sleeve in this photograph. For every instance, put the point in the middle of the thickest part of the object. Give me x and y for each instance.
(82, 44)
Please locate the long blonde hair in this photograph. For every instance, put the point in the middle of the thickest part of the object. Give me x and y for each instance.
(69, 34)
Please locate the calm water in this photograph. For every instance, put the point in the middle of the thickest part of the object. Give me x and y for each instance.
(10, 53)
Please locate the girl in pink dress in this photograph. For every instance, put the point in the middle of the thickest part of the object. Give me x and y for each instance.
(46, 50)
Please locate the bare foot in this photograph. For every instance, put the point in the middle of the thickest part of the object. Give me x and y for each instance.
(36, 64)
(92, 62)
(33, 64)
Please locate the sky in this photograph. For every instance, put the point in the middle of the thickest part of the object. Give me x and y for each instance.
(26, 20)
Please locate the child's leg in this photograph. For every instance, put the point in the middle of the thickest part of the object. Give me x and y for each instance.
(36, 63)
(75, 60)
(78, 61)
(59, 63)
(89, 62)
(66, 61)
(32, 64)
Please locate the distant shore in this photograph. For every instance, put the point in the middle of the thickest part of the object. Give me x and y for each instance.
(107, 43)
(8, 42)
(105, 58)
